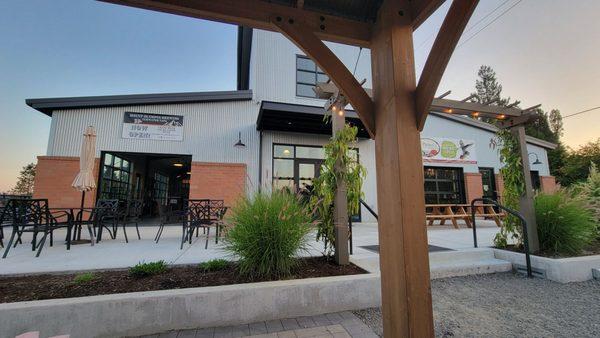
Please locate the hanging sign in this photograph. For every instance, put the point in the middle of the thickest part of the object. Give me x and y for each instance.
(446, 150)
(144, 126)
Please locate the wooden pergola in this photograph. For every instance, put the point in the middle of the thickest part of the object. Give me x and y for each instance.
(394, 117)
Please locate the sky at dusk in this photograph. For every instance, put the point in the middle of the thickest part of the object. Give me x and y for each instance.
(544, 51)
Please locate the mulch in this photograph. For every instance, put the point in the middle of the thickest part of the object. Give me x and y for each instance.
(51, 286)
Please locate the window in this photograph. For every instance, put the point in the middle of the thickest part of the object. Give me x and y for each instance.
(535, 180)
(444, 185)
(115, 180)
(161, 188)
(307, 76)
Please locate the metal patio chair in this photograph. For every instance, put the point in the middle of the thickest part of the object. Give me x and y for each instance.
(217, 213)
(198, 216)
(33, 215)
(132, 215)
(107, 214)
(169, 217)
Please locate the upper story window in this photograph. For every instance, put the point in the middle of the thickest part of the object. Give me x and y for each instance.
(307, 76)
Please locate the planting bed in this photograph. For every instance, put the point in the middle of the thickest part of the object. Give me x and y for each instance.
(591, 250)
(38, 287)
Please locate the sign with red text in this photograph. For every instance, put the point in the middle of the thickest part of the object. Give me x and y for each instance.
(143, 126)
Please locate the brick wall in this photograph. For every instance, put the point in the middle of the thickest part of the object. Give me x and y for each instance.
(499, 187)
(226, 181)
(473, 186)
(53, 178)
(548, 184)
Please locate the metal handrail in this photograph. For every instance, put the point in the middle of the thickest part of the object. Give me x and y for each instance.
(512, 212)
(368, 208)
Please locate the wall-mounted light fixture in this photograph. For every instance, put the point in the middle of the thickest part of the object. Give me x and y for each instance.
(178, 164)
(239, 143)
(537, 159)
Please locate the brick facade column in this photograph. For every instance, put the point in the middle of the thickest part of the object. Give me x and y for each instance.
(473, 186)
(499, 187)
(548, 184)
(226, 181)
(53, 178)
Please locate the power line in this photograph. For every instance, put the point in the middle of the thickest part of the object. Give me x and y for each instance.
(581, 112)
(489, 23)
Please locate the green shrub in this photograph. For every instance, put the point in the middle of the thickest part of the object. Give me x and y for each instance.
(565, 226)
(148, 269)
(589, 192)
(84, 278)
(213, 265)
(267, 232)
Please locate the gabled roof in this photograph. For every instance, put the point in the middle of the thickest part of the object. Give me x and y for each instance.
(47, 105)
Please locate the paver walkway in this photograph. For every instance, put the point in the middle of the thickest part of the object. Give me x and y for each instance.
(339, 324)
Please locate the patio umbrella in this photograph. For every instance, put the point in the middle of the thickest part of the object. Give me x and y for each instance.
(84, 181)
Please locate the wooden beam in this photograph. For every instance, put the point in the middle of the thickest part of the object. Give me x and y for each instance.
(338, 73)
(466, 108)
(452, 28)
(422, 9)
(258, 14)
(404, 259)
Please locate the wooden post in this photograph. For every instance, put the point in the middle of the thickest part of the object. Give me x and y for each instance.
(526, 206)
(404, 260)
(340, 213)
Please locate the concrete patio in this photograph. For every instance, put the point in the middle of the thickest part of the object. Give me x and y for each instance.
(116, 253)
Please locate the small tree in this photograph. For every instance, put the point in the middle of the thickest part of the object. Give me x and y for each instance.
(323, 196)
(25, 180)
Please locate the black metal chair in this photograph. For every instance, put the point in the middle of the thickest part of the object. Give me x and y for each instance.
(169, 217)
(33, 215)
(217, 213)
(198, 216)
(107, 216)
(132, 215)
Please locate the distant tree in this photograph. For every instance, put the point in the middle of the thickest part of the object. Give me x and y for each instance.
(556, 123)
(488, 90)
(24, 184)
(577, 163)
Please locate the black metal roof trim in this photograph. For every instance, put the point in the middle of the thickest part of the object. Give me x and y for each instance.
(47, 105)
(244, 47)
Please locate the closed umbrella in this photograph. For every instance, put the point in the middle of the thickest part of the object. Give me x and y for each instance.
(84, 181)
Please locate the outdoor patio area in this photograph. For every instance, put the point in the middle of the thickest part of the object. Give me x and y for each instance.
(116, 253)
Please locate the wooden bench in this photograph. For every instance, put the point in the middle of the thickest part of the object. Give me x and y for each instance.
(454, 212)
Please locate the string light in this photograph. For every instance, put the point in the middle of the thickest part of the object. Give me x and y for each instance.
(475, 114)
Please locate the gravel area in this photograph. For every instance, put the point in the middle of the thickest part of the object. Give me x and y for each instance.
(509, 305)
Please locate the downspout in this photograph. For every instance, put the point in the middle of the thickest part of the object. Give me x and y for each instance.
(260, 152)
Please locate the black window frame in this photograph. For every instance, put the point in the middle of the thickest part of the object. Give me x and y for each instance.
(460, 180)
(316, 72)
(106, 184)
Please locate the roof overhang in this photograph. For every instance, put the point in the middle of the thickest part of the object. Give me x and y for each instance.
(48, 105)
(278, 116)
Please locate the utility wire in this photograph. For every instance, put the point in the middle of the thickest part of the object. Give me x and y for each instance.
(489, 23)
(470, 28)
(356, 64)
(581, 112)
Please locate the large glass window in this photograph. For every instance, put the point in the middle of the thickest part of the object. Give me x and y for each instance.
(307, 76)
(115, 181)
(444, 185)
(161, 188)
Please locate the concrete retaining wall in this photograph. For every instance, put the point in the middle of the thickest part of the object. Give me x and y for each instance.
(150, 312)
(563, 270)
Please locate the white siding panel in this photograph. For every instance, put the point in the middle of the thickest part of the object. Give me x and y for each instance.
(210, 130)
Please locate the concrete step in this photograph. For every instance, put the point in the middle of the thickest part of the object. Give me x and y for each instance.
(452, 263)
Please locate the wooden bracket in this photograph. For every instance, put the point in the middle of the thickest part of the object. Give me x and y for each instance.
(445, 43)
(298, 33)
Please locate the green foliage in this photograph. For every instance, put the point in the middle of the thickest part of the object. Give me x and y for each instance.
(565, 226)
(578, 162)
(589, 193)
(213, 265)
(338, 150)
(267, 232)
(84, 278)
(488, 90)
(514, 186)
(25, 180)
(148, 269)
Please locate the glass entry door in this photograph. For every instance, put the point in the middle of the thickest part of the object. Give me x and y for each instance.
(305, 170)
(489, 183)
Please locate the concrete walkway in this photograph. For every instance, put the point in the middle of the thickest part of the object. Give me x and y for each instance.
(115, 253)
(340, 324)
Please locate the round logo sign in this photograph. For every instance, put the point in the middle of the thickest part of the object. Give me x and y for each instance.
(429, 147)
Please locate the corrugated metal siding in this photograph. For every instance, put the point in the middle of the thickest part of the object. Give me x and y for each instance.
(210, 130)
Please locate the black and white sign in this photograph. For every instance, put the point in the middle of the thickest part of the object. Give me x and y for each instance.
(144, 126)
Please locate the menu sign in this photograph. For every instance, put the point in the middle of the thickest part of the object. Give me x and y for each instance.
(446, 150)
(144, 126)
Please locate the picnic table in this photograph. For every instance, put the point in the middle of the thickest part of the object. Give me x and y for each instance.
(454, 212)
